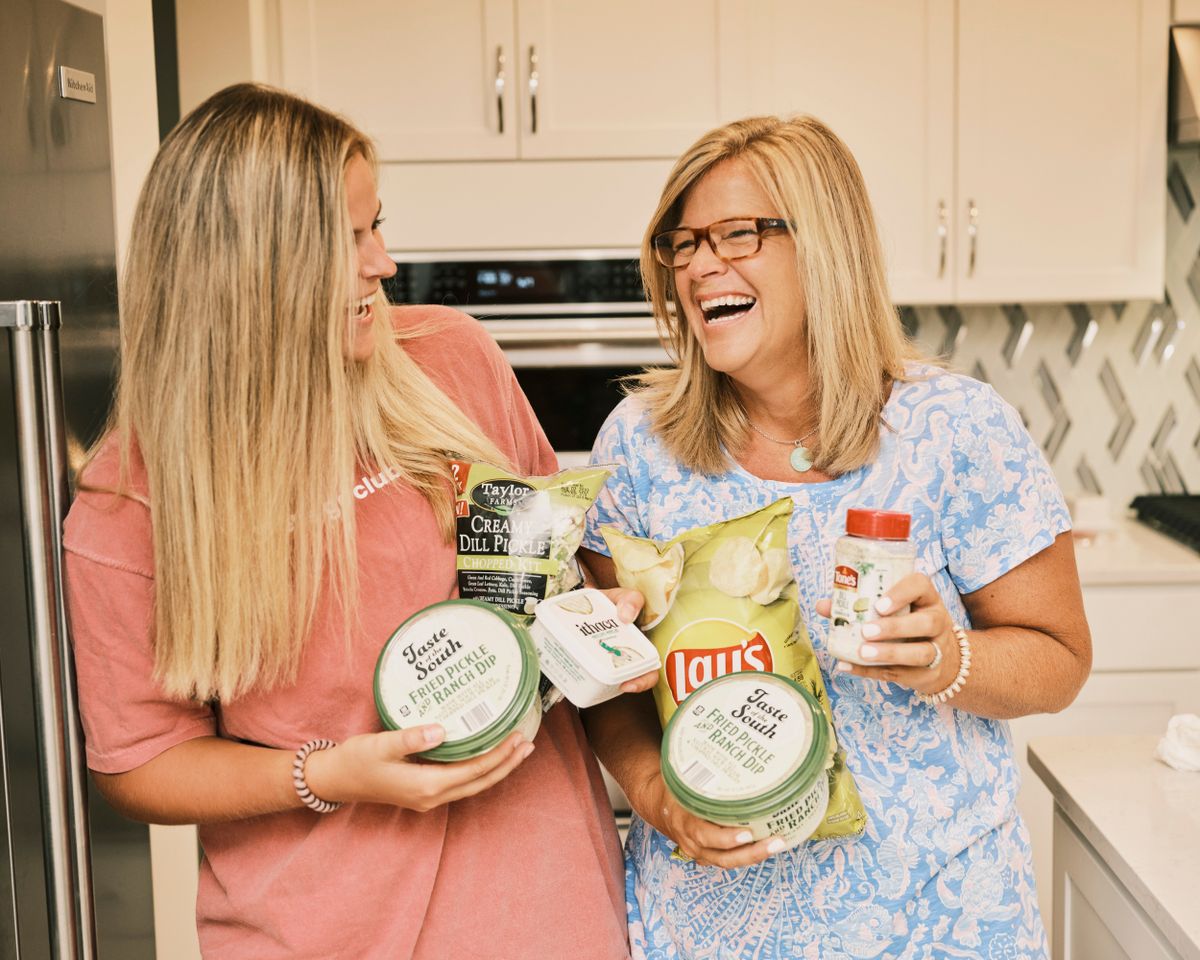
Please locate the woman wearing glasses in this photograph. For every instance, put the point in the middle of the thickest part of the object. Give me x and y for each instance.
(794, 378)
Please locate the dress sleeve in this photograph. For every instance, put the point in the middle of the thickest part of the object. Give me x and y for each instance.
(617, 504)
(127, 718)
(1002, 504)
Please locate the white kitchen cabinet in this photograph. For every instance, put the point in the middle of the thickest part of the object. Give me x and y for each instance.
(1061, 150)
(1014, 150)
(1141, 594)
(1121, 702)
(1100, 919)
(623, 78)
(880, 73)
(427, 79)
(452, 80)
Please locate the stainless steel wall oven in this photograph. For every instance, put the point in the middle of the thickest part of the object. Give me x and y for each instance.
(572, 324)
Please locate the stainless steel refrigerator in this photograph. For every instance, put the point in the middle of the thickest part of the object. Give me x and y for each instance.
(57, 360)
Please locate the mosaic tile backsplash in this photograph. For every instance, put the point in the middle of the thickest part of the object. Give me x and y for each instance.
(1111, 391)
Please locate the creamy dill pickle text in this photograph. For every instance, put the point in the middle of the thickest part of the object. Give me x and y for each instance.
(504, 534)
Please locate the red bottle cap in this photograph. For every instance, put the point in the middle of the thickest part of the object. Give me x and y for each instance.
(879, 524)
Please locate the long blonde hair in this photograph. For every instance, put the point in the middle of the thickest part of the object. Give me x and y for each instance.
(856, 345)
(236, 391)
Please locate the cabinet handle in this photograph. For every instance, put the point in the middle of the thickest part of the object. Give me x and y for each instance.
(533, 88)
(943, 233)
(972, 234)
(499, 89)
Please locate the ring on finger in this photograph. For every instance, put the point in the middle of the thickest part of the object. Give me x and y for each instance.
(937, 657)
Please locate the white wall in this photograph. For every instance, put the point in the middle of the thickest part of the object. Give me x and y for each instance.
(220, 42)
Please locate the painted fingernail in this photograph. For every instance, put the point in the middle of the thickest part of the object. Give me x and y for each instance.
(883, 604)
(434, 733)
(870, 630)
(775, 845)
(744, 837)
(868, 651)
(844, 667)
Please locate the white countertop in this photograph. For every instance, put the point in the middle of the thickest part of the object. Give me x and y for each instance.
(1141, 817)
(1133, 553)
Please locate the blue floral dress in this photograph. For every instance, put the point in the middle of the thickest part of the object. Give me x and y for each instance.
(944, 867)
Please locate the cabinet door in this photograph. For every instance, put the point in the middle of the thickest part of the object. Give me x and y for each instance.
(880, 73)
(1109, 703)
(1061, 149)
(623, 78)
(420, 77)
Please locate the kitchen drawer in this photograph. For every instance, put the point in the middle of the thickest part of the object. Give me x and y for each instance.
(1145, 626)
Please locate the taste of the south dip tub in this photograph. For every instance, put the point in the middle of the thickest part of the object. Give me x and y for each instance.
(464, 664)
(750, 750)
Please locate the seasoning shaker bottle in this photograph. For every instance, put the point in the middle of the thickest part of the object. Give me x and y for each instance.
(873, 555)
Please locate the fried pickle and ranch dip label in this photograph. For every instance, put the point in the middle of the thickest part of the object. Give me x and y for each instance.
(457, 665)
(740, 739)
(516, 537)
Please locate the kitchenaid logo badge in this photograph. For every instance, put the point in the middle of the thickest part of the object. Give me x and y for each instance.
(76, 85)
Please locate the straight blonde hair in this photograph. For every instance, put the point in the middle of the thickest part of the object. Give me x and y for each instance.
(856, 345)
(236, 392)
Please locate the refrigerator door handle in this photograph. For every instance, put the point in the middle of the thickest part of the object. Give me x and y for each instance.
(33, 332)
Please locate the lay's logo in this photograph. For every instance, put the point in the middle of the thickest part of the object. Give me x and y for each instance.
(688, 669)
(845, 577)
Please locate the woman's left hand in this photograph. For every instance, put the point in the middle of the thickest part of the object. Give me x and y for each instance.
(917, 649)
(629, 605)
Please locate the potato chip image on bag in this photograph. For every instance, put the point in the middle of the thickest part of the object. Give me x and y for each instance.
(722, 599)
(516, 537)
(643, 568)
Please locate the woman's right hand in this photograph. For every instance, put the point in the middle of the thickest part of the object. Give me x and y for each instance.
(381, 768)
(709, 844)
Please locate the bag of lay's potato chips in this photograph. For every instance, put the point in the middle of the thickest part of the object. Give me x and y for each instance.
(516, 536)
(720, 599)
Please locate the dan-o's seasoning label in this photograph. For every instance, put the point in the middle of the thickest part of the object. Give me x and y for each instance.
(516, 537)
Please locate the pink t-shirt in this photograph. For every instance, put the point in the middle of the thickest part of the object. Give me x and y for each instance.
(529, 869)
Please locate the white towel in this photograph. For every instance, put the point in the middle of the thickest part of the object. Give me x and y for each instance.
(1180, 748)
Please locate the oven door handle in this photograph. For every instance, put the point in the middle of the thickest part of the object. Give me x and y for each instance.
(512, 333)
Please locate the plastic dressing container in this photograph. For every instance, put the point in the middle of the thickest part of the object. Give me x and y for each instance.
(585, 650)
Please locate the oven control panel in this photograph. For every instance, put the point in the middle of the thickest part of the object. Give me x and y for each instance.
(476, 285)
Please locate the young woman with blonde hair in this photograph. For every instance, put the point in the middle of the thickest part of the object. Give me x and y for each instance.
(794, 379)
(233, 576)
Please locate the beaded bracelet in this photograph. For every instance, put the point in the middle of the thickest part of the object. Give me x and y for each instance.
(964, 670)
(311, 800)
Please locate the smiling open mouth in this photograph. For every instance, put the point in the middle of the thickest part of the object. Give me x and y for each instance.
(726, 308)
(362, 308)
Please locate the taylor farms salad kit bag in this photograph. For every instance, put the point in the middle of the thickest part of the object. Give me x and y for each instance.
(516, 536)
(722, 599)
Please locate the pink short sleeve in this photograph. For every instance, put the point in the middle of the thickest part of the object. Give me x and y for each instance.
(127, 719)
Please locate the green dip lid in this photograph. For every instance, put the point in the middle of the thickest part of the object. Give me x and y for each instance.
(744, 745)
(464, 664)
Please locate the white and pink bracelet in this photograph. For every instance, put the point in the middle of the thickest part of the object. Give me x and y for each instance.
(964, 670)
(311, 800)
